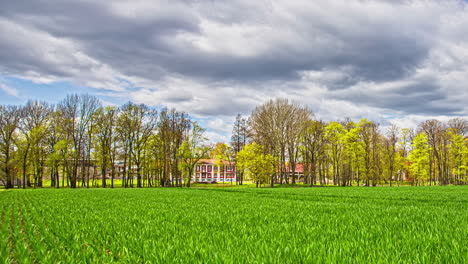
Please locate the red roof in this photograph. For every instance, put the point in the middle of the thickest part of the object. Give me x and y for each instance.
(214, 161)
(299, 168)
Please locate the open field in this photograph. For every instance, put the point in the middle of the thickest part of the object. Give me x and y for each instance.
(235, 225)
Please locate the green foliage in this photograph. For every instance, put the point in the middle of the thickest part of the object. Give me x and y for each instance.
(78, 142)
(335, 134)
(221, 152)
(354, 148)
(235, 225)
(257, 165)
(458, 153)
(194, 148)
(419, 157)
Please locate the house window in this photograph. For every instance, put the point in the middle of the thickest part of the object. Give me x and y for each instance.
(198, 167)
(229, 168)
(209, 168)
(203, 167)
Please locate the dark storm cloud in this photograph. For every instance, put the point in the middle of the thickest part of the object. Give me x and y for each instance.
(143, 46)
(377, 60)
(133, 46)
(179, 97)
(422, 98)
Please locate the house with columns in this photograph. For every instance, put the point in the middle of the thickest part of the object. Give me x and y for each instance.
(211, 170)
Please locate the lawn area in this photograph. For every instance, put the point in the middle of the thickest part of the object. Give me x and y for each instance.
(235, 225)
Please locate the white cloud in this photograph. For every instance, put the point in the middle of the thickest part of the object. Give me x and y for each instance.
(220, 125)
(9, 90)
(215, 137)
(412, 121)
(38, 52)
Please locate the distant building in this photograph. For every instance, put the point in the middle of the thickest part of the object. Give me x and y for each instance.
(298, 171)
(208, 170)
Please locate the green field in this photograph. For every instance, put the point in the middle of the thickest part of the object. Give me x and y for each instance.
(235, 225)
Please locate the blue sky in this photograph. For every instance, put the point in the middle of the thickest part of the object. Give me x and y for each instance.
(391, 61)
(20, 90)
(28, 90)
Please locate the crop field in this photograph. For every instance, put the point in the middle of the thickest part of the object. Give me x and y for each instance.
(235, 225)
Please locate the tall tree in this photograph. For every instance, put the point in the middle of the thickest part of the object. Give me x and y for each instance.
(138, 123)
(354, 153)
(313, 142)
(104, 132)
(434, 130)
(277, 124)
(173, 127)
(458, 152)
(77, 112)
(258, 165)
(33, 127)
(390, 143)
(419, 158)
(194, 148)
(9, 121)
(239, 139)
(370, 139)
(335, 135)
(239, 134)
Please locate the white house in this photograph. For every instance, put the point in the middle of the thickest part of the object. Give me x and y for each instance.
(208, 170)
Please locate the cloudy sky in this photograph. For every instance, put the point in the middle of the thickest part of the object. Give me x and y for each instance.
(398, 61)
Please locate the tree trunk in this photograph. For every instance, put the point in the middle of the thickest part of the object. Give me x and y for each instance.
(103, 173)
(138, 177)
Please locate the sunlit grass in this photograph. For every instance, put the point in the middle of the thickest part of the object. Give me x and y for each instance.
(235, 225)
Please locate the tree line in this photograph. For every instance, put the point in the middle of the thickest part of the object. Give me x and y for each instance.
(80, 143)
(347, 153)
